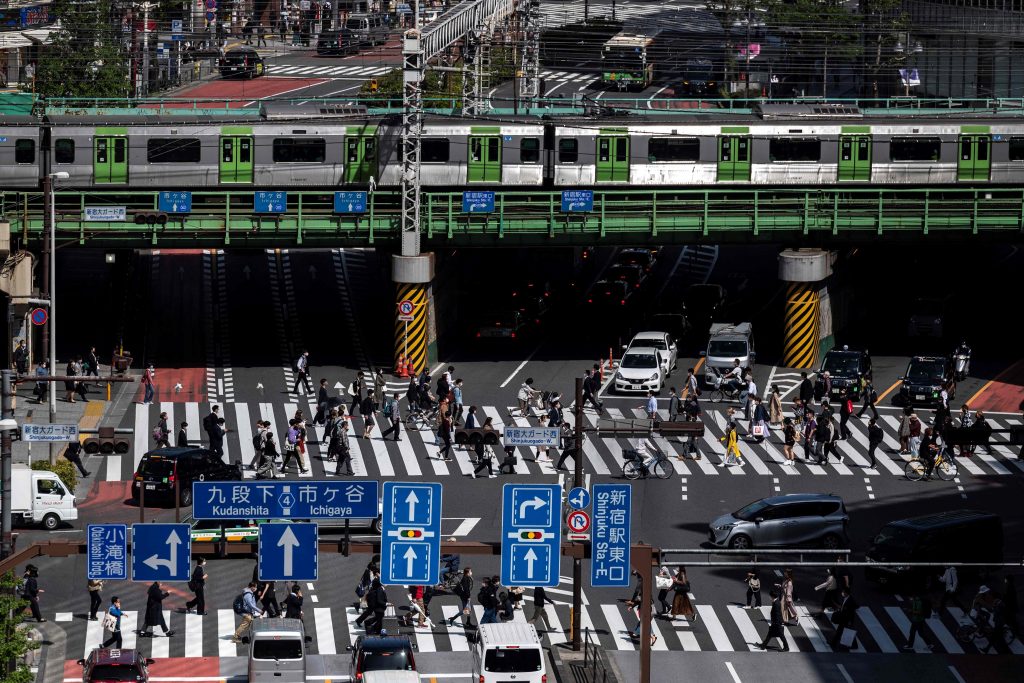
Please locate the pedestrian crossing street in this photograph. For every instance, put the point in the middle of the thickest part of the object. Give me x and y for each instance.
(726, 627)
(366, 71)
(417, 453)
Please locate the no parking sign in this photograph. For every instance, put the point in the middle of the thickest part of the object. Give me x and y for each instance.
(405, 309)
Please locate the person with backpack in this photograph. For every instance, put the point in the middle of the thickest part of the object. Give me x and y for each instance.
(162, 432)
(919, 611)
(464, 592)
(291, 447)
(392, 411)
(302, 374)
(368, 409)
(339, 442)
(875, 436)
(266, 593)
(245, 606)
(197, 584)
(112, 623)
(870, 397)
(488, 599)
(845, 411)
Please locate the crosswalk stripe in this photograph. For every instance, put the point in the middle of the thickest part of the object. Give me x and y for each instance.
(457, 638)
(903, 624)
(960, 618)
(141, 440)
(874, 627)
(426, 437)
(880, 456)
(193, 635)
(776, 457)
(810, 628)
(93, 635)
(791, 639)
(617, 627)
(162, 644)
(380, 454)
(226, 629)
(750, 635)
(194, 422)
(943, 635)
(324, 631)
(1012, 457)
(245, 432)
(714, 628)
(662, 444)
(556, 633)
(354, 629)
(129, 629)
(412, 465)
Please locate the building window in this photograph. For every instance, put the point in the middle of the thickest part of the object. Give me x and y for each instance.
(434, 150)
(782, 150)
(173, 150)
(299, 150)
(661, 150)
(529, 150)
(24, 151)
(915, 149)
(64, 151)
(568, 151)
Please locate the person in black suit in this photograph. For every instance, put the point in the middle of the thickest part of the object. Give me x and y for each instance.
(322, 399)
(806, 389)
(775, 627)
(844, 616)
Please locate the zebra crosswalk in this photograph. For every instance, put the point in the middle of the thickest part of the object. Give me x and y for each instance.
(417, 453)
(362, 71)
(728, 627)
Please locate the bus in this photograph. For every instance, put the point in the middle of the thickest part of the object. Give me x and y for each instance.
(627, 61)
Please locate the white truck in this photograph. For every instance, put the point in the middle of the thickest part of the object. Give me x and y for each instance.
(40, 497)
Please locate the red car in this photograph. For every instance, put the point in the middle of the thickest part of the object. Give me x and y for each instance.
(114, 666)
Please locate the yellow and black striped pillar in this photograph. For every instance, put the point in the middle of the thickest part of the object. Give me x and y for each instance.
(800, 332)
(411, 335)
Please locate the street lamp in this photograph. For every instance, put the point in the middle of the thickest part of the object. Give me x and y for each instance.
(51, 323)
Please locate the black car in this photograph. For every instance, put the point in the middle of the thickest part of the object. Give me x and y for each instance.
(160, 469)
(381, 653)
(339, 42)
(243, 62)
(846, 368)
(924, 379)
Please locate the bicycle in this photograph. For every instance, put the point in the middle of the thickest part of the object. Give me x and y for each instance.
(981, 628)
(945, 467)
(724, 391)
(636, 467)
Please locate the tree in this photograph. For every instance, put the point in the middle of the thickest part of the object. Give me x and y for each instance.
(14, 640)
(884, 20)
(817, 31)
(737, 17)
(87, 57)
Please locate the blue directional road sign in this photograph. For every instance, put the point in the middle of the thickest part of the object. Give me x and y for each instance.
(107, 552)
(269, 202)
(285, 499)
(579, 498)
(478, 202)
(176, 202)
(349, 202)
(288, 552)
(577, 201)
(531, 534)
(411, 533)
(161, 552)
(609, 562)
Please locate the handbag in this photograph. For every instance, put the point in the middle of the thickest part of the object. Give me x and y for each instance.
(662, 582)
(848, 637)
(759, 430)
(109, 621)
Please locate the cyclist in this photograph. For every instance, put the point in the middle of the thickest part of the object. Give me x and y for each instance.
(928, 450)
(984, 607)
(734, 378)
(527, 395)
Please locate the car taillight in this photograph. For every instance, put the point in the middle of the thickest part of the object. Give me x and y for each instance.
(543, 678)
(138, 477)
(170, 479)
(478, 335)
(622, 302)
(481, 679)
(513, 335)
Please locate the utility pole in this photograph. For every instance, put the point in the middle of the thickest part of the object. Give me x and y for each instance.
(577, 480)
(6, 413)
(51, 283)
(143, 89)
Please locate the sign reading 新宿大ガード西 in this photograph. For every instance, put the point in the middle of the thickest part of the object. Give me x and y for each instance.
(531, 436)
(47, 432)
(105, 213)
(285, 500)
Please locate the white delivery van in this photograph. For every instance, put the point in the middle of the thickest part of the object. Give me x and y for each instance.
(508, 652)
(40, 497)
(277, 651)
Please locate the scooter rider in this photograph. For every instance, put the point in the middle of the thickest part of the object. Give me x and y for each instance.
(962, 360)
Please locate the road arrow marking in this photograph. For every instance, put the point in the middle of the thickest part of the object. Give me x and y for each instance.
(290, 543)
(410, 556)
(537, 503)
(154, 562)
(412, 499)
(530, 558)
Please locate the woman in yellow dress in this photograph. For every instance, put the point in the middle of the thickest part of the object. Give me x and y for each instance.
(732, 449)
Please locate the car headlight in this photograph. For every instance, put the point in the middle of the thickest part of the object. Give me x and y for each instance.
(724, 527)
(652, 377)
(618, 376)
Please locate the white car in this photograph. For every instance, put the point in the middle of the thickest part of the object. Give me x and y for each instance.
(663, 342)
(641, 369)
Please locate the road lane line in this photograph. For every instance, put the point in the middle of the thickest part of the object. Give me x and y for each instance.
(515, 372)
(732, 672)
(888, 391)
(324, 631)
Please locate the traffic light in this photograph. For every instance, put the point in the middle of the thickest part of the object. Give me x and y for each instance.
(532, 535)
(150, 218)
(410, 533)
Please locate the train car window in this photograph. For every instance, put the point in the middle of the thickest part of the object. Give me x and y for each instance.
(120, 150)
(662, 150)
(24, 151)
(299, 150)
(64, 151)
(568, 151)
(915, 149)
(529, 150)
(475, 149)
(982, 149)
(781, 149)
(173, 150)
(434, 150)
(1016, 149)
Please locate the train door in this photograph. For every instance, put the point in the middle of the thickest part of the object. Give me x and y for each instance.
(110, 159)
(484, 163)
(973, 162)
(360, 158)
(236, 152)
(612, 158)
(855, 157)
(734, 157)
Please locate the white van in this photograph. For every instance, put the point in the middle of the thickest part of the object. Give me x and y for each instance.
(40, 497)
(277, 651)
(368, 29)
(508, 651)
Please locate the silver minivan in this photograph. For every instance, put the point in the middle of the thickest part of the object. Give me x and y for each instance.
(277, 651)
(368, 29)
(795, 519)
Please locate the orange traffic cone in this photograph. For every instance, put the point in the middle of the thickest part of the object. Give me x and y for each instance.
(400, 370)
(410, 370)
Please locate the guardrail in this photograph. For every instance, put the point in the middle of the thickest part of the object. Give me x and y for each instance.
(592, 659)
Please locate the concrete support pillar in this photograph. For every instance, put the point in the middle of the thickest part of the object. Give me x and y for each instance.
(415, 329)
(805, 270)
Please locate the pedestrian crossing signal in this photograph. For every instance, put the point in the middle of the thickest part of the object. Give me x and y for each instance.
(410, 533)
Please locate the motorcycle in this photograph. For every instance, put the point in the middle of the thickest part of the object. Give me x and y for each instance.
(961, 365)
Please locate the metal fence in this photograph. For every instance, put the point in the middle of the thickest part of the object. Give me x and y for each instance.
(593, 664)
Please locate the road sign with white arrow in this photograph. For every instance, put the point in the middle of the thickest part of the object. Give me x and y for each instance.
(349, 202)
(411, 533)
(531, 534)
(288, 552)
(161, 552)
